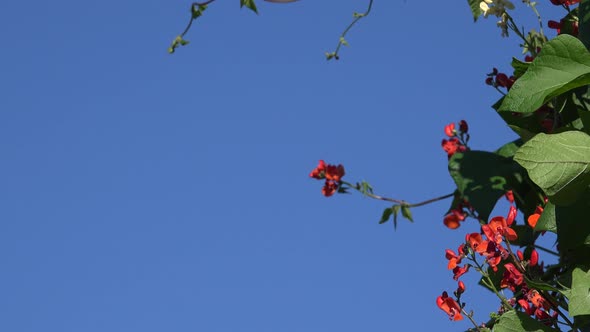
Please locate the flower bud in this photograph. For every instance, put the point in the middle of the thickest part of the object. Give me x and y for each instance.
(461, 287)
(463, 126)
(534, 258)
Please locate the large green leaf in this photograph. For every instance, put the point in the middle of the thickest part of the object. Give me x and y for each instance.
(580, 292)
(483, 177)
(562, 65)
(559, 164)
(516, 321)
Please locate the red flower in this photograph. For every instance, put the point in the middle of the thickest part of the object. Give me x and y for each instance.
(459, 271)
(477, 243)
(453, 258)
(502, 80)
(555, 25)
(452, 219)
(329, 188)
(534, 258)
(334, 173)
(511, 278)
(534, 218)
(520, 255)
(558, 26)
(453, 146)
(460, 287)
(450, 306)
(510, 196)
(450, 130)
(319, 172)
(537, 300)
(511, 215)
(497, 228)
(526, 307)
(463, 127)
(564, 2)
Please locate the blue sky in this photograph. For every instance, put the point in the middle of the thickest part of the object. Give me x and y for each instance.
(143, 191)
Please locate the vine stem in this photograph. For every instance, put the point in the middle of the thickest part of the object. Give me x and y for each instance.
(514, 28)
(488, 281)
(190, 22)
(399, 201)
(549, 251)
(341, 40)
(471, 319)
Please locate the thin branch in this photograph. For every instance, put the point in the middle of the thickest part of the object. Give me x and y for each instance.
(341, 40)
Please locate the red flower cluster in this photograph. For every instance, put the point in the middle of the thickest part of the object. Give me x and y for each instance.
(534, 304)
(333, 175)
(458, 139)
(497, 79)
(489, 243)
(564, 2)
(566, 26)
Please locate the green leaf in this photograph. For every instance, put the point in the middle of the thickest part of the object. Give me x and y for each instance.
(483, 177)
(386, 215)
(562, 65)
(559, 164)
(584, 24)
(547, 220)
(395, 212)
(517, 321)
(509, 149)
(540, 285)
(475, 10)
(579, 303)
(197, 10)
(249, 4)
(573, 230)
(407, 213)
(520, 67)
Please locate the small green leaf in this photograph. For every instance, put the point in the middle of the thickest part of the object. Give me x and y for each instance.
(475, 10)
(547, 220)
(407, 213)
(197, 10)
(517, 321)
(395, 212)
(386, 215)
(249, 4)
(558, 163)
(579, 303)
(562, 65)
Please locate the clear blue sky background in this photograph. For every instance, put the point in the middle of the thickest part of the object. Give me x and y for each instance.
(142, 191)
